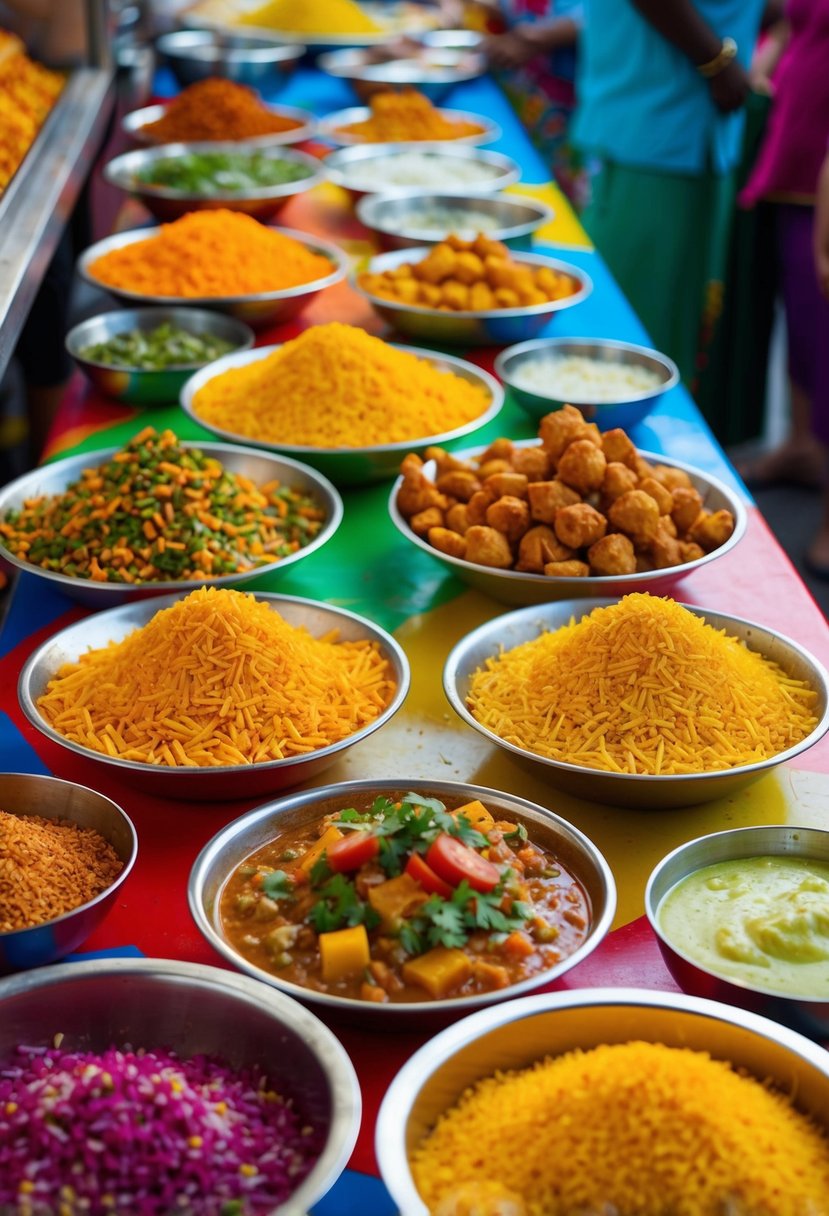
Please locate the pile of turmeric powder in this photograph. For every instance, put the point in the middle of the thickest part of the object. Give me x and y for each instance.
(216, 109)
(312, 17)
(400, 117)
(335, 386)
(210, 253)
(469, 276)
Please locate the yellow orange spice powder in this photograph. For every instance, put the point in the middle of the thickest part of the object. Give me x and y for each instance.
(337, 386)
(211, 253)
(399, 117)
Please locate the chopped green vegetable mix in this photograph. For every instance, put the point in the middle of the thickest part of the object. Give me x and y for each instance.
(210, 173)
(159, 511)
(156, 349)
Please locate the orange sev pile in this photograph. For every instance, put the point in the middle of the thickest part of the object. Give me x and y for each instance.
(639, 1129)
(642, 686)
(211, 253)
(218, 678)
(337, 386)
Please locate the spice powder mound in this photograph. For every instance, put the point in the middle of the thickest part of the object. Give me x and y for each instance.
(49, 867)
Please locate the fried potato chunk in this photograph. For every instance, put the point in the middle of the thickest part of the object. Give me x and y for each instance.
(687, 505)
(488, 547)
(612, 554)
(559, 429)
(514, 484)
(458, 483)
(650, 485)
(569, 569)
(711, 531)
(547, 498)
(532, 462)
(618, 448)
(422, 521)
(457, 518)
(478, 505)
(670, 477)
(539, 546)
(618, 479)
(579, 525)
(509, 515)
(636, 514)
(447, 542)
(582, 465)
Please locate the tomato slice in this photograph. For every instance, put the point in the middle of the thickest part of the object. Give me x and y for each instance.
(423, 874)
(353, 851)
(454, 861)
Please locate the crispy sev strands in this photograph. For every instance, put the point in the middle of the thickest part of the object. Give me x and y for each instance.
(644, 686)
(648, 1129)
(218, 679)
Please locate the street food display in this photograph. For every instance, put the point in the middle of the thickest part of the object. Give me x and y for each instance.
(216, 110)
(406, 116)
(27, 93)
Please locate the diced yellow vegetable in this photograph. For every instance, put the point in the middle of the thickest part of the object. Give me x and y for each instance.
(477, 814)
(344, 952)
(439, 971)
(316, 850)
(395, 899)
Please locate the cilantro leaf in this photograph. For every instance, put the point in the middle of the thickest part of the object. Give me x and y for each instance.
(463, 829)
(518, 836)
(339, 906)
(277, 885)
(446, 927)
(320, 871)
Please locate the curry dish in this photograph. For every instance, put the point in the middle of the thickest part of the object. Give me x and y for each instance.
(404, 901)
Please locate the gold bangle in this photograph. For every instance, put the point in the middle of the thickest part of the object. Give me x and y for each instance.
(727, 52)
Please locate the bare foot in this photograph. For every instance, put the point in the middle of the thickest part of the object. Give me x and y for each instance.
(793, 462)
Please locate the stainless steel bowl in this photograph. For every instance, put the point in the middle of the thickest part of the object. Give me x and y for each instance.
(434, 71)
(518, 587)
(252, 59)
(259, 466)
(226, 781)
(331, 128)
(30, 794)
(494, 327)
(256, 309)
(165, 203)
(452, 40)
(352, 466)
(344, 164)
(518, 1033)
(391, 18)
(192, 1009)
(624, 412)
(390, 216)
(630, 789)
(810, 1015)
(137, 386)
(133, 125)
(229, 847)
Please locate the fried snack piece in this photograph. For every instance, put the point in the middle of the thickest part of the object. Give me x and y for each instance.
(664, 549)
(489, 468)
(458, 483)
(457, 518)
(538, 547)
(547, 498)
(579, 525)
(534, 463)
(499, 449)
(613, 554)
(618, 448)
(559, 429)
(509, 515)
(417, 492)
(687, 505)
(650, 485)
(487, 547)
(582, 465)
(711, 531)
(569, 569)
(636, 514)
(670, 477)
(422, 521)
(445, 462)
(447, 542)
(691, 552)
(618, 479)
(514, 484)
(479, 504)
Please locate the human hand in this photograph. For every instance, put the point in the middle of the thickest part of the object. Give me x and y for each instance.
(729, 88)
(760, 82)
(506, 51)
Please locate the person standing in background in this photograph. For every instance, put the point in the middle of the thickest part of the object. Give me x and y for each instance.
(535, 62)
(661, 87)
(785, 177)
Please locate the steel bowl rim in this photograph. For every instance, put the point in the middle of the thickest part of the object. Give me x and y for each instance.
(599, 581)
(600, 926)
(390, 1128)
(445, 74)
(510, 170)
(284, 1011)
(502, 370)
(102, 896)
(417, 255)
(298, 451)
(323, 487)
(74, 336)
(314, 244)
(395, 654)
(328, 128)
(206, 48)
(747, 833)
(370, 202)
(819, 679)
(133, 123)
(117, 173)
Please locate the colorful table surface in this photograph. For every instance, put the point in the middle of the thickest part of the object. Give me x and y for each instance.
(370, 569)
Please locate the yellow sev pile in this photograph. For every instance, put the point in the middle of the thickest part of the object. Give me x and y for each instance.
(218, 678)
(639, 1129)
(643, 686)
(335, 386)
